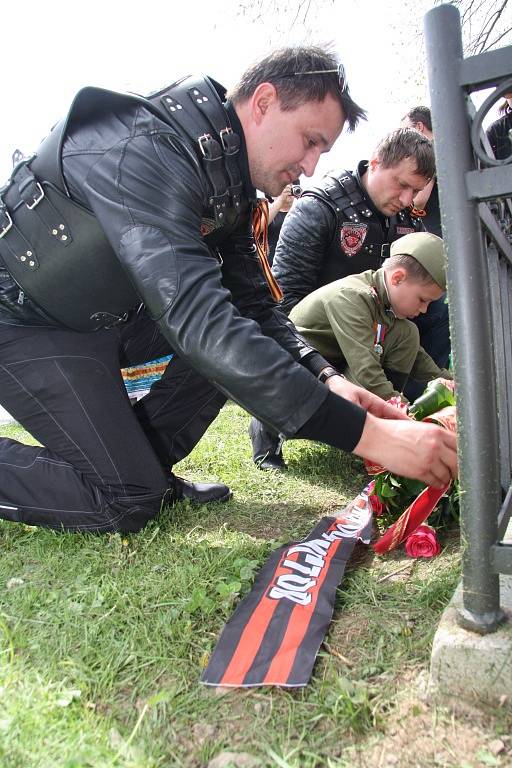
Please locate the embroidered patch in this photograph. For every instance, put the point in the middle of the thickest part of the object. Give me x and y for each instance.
(207, 226)
(404, 230)
(352, 237)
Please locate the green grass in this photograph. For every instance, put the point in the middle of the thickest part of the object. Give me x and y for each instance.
(103, 639)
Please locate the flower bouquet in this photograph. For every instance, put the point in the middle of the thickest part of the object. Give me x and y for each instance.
(404, 505)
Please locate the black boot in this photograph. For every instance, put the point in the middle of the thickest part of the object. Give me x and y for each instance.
(266, 447)
(202, 493)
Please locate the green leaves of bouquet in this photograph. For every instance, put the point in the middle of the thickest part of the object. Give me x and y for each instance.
(397, 493)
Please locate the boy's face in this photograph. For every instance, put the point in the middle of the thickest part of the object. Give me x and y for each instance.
(408, 297)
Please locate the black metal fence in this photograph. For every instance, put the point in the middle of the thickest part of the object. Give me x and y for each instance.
(476, 220)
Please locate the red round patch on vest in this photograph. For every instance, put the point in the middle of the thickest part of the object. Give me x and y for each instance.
(352, 237)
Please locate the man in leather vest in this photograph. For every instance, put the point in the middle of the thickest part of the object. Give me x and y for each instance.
(129, 235)
(344, 227)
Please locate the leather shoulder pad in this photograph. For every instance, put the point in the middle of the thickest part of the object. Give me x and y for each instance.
(347, 196)
(194, 107)
(87, 103)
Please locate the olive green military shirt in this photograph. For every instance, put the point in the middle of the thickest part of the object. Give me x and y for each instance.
(340, 320)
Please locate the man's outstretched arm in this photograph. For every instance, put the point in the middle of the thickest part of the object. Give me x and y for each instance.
(389, 437)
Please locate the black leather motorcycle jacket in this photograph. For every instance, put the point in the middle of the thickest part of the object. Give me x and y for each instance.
(332, 231)
(192, 263)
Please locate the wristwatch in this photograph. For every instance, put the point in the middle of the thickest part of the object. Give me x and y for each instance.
(326, 373)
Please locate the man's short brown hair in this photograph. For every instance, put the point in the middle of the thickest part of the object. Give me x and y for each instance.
(300, 75)
(403, 143)
(419, 114)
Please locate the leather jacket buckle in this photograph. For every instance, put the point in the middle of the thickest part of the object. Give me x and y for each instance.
(36, 198)
(210, 148)
(4, 216)
(230, 141)
(107, 320)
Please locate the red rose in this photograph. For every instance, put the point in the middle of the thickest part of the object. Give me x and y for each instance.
(376, 505)
(422, 543)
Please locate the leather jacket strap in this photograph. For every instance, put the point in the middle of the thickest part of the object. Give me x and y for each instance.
(205, 96)
(32, 194)
(345, 193)
(16, 245)
(195, 105)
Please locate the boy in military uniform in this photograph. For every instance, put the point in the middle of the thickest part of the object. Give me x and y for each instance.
(362, 323)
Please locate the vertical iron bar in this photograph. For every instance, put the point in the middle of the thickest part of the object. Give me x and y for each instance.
(506, 413)
(495, 287)
(470, 322)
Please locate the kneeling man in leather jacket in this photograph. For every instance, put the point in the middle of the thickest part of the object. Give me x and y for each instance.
(129, 235)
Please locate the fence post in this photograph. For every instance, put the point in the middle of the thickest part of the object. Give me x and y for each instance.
(470, 323)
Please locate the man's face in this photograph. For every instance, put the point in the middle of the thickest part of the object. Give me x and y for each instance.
(283, 144)
(408, 297)
(394, 188)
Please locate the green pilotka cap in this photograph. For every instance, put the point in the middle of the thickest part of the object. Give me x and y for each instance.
(425, 248)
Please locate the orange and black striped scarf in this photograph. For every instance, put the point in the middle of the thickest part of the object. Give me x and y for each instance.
(260, 231)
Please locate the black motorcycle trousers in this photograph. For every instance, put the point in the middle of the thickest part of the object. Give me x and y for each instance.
(103, 465)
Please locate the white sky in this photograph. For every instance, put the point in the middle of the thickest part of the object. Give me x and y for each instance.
(50, 49)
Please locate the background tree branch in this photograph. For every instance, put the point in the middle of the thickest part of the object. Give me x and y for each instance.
(485, 23)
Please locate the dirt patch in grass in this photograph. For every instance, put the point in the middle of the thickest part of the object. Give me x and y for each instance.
(421, 733)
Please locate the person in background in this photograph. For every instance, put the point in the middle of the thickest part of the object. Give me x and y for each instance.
(426, 201)
(347, 223)
(499, 132)
(362, 323)
(277, 211)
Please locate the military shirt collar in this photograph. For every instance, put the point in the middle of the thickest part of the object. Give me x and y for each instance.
(379, 283)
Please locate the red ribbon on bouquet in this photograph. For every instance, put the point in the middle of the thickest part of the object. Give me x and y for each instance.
(423, 505)
(415, 514)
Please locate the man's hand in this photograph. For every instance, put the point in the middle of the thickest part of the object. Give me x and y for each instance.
(390, 438)
(448, 383)
(370, 402)
(413, 449)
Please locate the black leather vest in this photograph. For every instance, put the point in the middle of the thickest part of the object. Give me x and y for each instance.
(362, 237)
(47, 239)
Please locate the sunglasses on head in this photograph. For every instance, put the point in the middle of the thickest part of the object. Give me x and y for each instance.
(340, 71)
